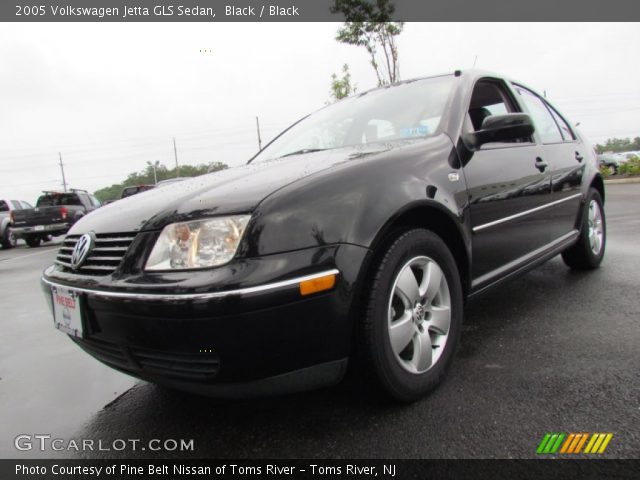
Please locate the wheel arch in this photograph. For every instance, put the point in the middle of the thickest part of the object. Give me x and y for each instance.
(431, 216)
(598, 184)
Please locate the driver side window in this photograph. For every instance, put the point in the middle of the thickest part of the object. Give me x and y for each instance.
(490, 97)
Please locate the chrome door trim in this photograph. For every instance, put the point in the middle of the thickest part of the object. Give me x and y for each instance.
(522, 214)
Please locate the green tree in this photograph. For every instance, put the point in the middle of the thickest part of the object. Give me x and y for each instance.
(145, 177)
(619, 145)
(368, 24)
(342, 87)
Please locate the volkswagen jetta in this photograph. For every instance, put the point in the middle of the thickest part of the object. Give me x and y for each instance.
(356, 236)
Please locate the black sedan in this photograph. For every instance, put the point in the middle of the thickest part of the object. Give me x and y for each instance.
(353, 239)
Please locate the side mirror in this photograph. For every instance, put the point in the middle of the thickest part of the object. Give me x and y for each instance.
(502, 128)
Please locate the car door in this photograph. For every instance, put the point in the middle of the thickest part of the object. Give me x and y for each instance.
(565, 154)
(507, 189)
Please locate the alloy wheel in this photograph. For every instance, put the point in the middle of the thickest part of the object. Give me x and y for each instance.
(419, 314)
(595, 227)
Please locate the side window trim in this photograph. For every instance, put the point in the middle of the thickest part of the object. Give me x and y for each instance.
(546, 106)
(555, 114)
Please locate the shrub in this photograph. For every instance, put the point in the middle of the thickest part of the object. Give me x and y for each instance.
(630, 167)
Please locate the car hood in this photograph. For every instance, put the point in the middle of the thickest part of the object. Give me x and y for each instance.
(231, 191)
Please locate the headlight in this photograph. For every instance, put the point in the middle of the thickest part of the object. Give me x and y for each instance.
(197, 244)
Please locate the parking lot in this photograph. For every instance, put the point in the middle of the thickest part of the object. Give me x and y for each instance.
(554, 351)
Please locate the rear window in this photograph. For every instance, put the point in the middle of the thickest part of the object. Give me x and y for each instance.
(127, 192)
(58, 199)
(3, 206)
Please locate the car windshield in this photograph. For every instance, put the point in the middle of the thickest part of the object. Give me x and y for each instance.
(408, 110)
(57, 199)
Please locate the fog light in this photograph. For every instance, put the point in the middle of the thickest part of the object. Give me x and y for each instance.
(317, 284)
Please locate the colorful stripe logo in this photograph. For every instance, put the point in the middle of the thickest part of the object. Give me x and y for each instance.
(573, 443)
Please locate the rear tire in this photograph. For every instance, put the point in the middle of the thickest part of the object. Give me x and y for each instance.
(412, 316)
(33, 241)
(588, 251)
(8, 239)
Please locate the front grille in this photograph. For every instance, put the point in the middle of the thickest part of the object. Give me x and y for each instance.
(103, 259)
(188, 366)
(195, 367)
(106, 352)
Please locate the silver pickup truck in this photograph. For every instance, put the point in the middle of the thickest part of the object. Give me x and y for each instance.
(7, 238)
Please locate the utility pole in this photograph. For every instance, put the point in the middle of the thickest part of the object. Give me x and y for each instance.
(64, 180)
(175, 152)
(259, 139)
(154, 166)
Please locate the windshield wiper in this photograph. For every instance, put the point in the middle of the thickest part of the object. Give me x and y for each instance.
(304, 150)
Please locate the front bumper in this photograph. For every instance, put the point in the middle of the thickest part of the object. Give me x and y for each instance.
(20, 232)
(232, 338)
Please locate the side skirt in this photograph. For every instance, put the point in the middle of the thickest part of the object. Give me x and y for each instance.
(521, 265)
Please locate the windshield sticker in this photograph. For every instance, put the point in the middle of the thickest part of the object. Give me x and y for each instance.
(419, 131)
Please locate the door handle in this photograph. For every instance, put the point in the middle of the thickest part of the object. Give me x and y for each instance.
(541, 164)
(579, 157)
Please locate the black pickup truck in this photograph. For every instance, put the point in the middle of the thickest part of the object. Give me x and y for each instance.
(54, 214)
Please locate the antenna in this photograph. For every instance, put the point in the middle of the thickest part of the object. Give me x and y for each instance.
(474, 61)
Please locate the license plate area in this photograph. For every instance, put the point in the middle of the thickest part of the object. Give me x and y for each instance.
(38, 228)
(67, 311)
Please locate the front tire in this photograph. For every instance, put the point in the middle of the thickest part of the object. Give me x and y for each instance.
(413, 316)
(588, 251)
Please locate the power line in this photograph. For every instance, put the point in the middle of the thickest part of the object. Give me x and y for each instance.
(210, 141)
(147, 140)
(98, 155)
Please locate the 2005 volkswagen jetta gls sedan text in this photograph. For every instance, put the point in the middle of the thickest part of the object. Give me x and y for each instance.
(355, 237)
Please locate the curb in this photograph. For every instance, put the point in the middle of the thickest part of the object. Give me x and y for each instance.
(622, 180)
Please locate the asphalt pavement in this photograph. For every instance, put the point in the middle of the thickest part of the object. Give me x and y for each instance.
(553, 351)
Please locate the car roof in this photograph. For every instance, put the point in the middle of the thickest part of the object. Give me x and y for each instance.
(472, 73)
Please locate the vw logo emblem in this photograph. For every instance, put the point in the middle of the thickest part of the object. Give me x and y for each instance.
(81, 250)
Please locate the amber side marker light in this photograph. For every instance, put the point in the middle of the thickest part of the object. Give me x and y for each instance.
(317, 284)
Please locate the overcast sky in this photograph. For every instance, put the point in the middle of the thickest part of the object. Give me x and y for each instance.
(110, 97)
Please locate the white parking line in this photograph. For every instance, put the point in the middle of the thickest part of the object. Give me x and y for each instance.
(52, 247)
